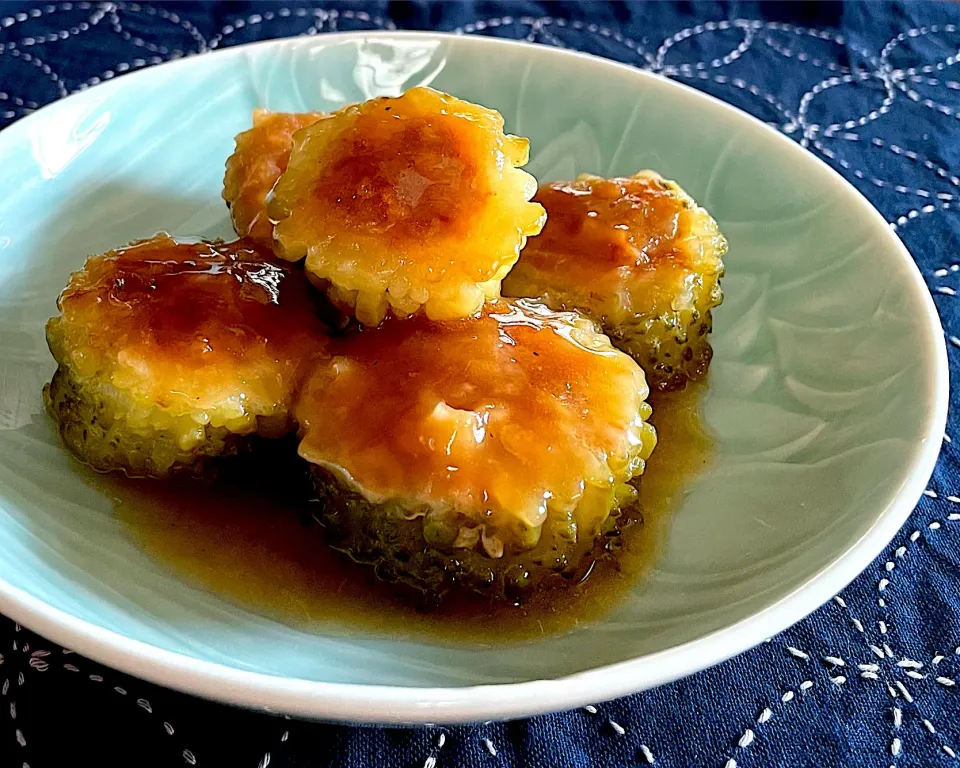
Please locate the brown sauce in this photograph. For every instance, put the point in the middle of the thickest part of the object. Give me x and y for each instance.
(400, 176)
(455, 412)
(203, 302)
(407, 168)
(634, 223)
(261, 155)
(377, 184)
(240, 540)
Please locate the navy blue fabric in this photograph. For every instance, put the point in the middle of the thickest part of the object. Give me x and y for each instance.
(872, 89)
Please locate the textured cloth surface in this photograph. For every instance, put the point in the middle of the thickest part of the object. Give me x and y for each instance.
(868, 680)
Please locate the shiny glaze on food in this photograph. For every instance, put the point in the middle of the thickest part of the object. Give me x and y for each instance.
(408, 202)
(189, 323)
(499, 417)
(261, 155)
(603, 234)
(637, 255)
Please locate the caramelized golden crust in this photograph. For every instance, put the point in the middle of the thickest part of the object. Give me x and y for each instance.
(261, 155)
(171, 344)
(491, 423)
(638, 255)
(409, 202)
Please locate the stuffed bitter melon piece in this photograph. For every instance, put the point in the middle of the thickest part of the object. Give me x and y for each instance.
(261, 155)
(638, 255)
(408, 203)
(173, 353)
(487, 452)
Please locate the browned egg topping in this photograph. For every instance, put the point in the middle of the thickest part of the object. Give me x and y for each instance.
(261, 155)
(407, 202)
(497, 416)
(610, 229)
(172, 313)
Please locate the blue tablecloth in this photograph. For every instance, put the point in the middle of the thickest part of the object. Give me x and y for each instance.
(871, 678)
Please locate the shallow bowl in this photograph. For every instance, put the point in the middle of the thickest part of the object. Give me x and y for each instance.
(826, 398)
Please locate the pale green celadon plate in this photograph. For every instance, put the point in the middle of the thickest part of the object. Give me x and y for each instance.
(827, 395)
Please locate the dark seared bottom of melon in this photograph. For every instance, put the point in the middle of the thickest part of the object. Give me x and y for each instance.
(385, 537)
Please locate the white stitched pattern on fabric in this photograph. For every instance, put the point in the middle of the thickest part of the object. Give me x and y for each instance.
(539, 29)
(10, 21)
(431, 761)
(740, 84)
(320, 17)
(793, 118)
(910, 667)
(36, 660)
(34, 60)
(117, 26)
(803, 57)
(898, 188)
(64, 33)
(810, 130)
(166, 15)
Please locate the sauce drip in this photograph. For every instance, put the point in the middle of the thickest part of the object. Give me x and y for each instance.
(243, 540)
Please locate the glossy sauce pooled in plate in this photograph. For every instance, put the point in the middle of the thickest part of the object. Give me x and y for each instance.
(244, 539)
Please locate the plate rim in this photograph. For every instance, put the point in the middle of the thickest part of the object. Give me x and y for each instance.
(408, 705)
